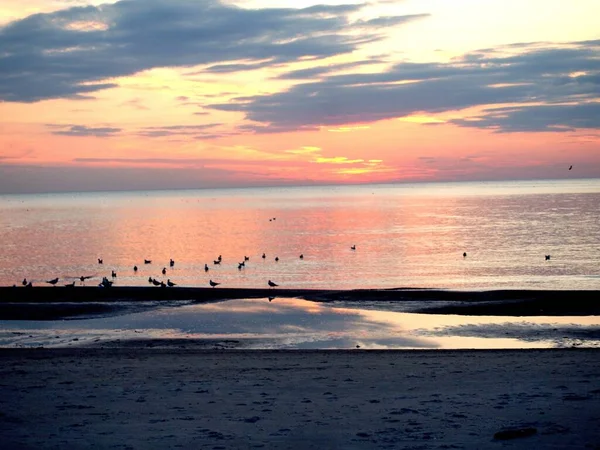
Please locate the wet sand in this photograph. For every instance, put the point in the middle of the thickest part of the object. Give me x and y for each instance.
(185, 397)
(51, 303)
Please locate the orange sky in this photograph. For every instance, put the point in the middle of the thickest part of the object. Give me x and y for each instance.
(181, 94)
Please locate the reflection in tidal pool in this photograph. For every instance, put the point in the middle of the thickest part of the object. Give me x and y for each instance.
(300, 324)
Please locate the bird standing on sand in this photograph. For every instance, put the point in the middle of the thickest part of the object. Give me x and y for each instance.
(547, 257)
(53, 282)
(170, 283)
(464, 254)
(353, 247)
(24, 282)
(217, 262)
(246, 258)
(206, 267)
(301, 256)
(70, 285)
(113, 274)
(271, 284)
(135, 269)
(264, 256)
(156, 282)
(147, 261)
(100, 261)
(213, 283)
(164, 271)
(271, 298)
(276, 258)
(171, 263)
(28, 285)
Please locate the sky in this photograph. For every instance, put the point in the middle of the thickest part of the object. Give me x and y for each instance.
(161, 94)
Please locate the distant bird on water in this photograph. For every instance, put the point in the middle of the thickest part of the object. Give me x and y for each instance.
(53, 282)
(171, 263)
(217, 262)
(147, 261)
(24, 282)
(464, 254)
(353, 247)
(170, 283)
(135, 269)
(547, 257)
(271, 284)
(213, 283)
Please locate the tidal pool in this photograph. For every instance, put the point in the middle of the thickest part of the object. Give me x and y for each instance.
(299, 324)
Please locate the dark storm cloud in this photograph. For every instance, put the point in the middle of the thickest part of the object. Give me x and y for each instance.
(68, 54)
(545, 75)
(80, 130)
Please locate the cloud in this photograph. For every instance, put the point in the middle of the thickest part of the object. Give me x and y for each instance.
(564, 76)
(81, 130)
(175, 130)
(54, 55)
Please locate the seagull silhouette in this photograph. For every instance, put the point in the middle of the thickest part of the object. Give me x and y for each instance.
(264, 256)
(271, 284)
(246, 258)
(135, 269)
(70, 285)
(29, 285)
(156, 282)
(164, 271)
(570, 167)
(271, 298)
(100, 261)
(301, 256)
(547, 257)
(213, 283)
(353, 247)
(24, 282)
(147, 261)
(464, 254)
(171, 263)
(113, 274)
(276, 258)
(206, 267)
(170, 283)
(53, 282)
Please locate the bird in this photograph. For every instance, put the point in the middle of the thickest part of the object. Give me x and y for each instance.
(162, 284)
(570, 167)
(206, 267)
(220, 258)
(276, 258)
(271, 298)
(213, 283)
(70, 285)
(547, 257)
(353, 247)
(147, 261)
(171, 263)
(464, 254)
(217, 261)
(113, 274)
(357, 346)
(271, 284)
(264, 256)
(24, 282)
(301, 256)
(100, 261)
(150, 279)
(241, 266)
(105, 283)
(156, 282)
(135, 269)
(246, 258)
(164, 271)
(53, 282)
(83, 278)
(170, 283)
(28, 285)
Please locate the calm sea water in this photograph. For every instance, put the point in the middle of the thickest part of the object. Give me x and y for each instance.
(410, 235)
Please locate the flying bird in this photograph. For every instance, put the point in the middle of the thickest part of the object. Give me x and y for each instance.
(271, 284)
(53, 282)
(246, 258)
(570, 167)
(100, 261)
(213, 283)
(547, 257)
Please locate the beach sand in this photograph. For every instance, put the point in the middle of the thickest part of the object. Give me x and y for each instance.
(184, 397)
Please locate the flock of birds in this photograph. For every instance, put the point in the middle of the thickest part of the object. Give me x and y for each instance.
(106, 283)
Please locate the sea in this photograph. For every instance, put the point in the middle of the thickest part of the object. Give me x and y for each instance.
(368, 236)
(456, 236)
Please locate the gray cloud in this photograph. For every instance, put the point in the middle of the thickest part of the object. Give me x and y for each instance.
(483, 78)
(172, 130)
(71, 52)
(81, 130)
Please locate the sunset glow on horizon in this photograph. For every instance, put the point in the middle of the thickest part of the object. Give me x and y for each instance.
(157, 94)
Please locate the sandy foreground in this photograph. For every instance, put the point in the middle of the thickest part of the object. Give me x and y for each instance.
(227, 399)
